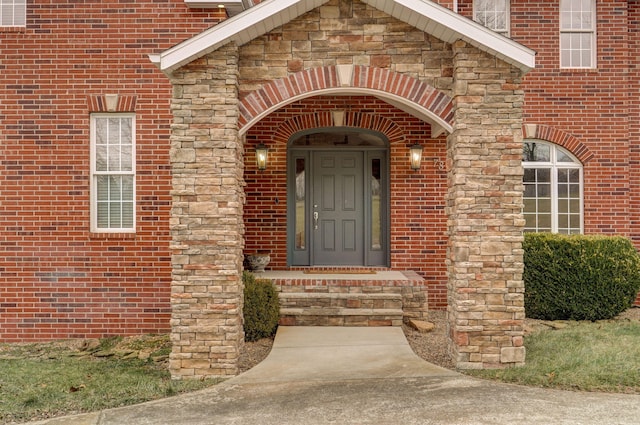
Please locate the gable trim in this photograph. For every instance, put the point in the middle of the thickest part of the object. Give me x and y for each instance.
(425, 15)
(449, 27)
(241, 29)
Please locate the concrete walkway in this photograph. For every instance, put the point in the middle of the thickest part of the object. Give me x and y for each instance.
(331, 375)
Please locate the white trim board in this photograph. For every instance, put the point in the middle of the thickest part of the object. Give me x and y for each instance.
(425, 15)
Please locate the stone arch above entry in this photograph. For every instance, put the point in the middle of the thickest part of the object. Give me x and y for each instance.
(396, 88)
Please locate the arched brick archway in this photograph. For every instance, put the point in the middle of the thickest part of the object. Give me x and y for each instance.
(327, 119)
(560, 138)
(436, 106)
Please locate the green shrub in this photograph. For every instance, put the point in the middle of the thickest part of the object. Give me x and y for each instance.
(261, 308)
(579, 277)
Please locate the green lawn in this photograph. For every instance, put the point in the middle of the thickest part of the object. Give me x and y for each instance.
(39, 381)
(44, 380)
(588, 356)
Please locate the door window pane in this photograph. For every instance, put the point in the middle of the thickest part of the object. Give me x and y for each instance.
(376, 204)
(301, 214)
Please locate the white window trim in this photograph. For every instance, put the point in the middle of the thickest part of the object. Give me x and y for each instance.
(507, 32)
(23, 17)
(592, 31)
(94, 190)
(554, 165)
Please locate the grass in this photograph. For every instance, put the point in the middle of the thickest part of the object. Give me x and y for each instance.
(588, 356)
(39, 381)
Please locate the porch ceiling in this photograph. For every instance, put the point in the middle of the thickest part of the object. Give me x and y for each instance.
(422, 14)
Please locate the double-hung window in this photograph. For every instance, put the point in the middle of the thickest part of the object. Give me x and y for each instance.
(552, 189)
(113, 172)
(493, 14)
(13, 13)
(577, 33)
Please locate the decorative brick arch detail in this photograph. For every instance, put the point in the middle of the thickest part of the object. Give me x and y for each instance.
(560, 138)
(111, 103)
(334, 79)
(326, 119)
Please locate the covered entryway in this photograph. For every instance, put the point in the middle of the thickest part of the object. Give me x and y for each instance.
(338, 198)
(460, 84)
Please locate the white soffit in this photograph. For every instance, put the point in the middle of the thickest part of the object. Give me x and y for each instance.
(233, 7)
(448, 26)
(425, 15)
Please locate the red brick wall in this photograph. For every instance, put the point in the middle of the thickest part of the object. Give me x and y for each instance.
(598, 106)
(58, 280)
(418, 221)
(634, 122)
(589, 104)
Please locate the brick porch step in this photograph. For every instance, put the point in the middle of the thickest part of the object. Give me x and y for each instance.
(340, 309)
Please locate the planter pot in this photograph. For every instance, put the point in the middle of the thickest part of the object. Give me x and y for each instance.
(256, 262)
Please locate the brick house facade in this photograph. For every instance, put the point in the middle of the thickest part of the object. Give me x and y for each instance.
(286, 70)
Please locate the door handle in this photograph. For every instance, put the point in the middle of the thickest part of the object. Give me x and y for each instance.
(315, 220)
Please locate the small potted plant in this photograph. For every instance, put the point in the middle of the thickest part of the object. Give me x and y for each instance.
(256, 262)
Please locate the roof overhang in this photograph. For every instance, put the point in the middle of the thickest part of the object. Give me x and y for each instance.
(449, 26)
(425, 15)
(242, 28)
(233, 7)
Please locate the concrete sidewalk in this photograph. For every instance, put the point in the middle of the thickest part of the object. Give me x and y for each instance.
(341, 375)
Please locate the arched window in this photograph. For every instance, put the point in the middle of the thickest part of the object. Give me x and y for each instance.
(552, 188)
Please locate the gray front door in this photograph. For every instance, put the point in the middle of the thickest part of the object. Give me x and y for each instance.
(337, 208)
(338, 198)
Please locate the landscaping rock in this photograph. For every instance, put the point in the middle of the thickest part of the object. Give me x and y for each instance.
(159, 359)
(144, 354)
(90, 345)
(557, 324)
(422, 326)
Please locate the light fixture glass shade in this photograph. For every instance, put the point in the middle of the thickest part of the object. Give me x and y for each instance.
(261, 156)
(415, 156)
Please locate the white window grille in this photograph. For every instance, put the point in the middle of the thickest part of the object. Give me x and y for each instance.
(493, 14)
(553, 189)
(113, 172)
(13, 13)
(577, 33)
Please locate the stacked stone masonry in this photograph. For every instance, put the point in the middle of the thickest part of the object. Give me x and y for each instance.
(206, 218)
(486, 291)
(485, 283)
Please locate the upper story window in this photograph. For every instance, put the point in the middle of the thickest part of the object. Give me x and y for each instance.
(13, 13)
(493, 14)
(112, 172)
(577, 33)
(552, 189)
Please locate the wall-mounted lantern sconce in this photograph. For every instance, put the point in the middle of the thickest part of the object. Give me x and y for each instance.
(415, 156)
(261, 156)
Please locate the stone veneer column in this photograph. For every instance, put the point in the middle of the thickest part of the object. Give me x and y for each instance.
(206, 218)
(485, 263)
